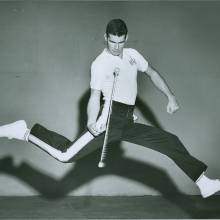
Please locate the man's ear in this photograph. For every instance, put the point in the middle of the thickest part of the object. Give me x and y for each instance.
(126, 38)
(105, 37)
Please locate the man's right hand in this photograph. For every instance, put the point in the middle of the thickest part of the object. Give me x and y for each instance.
(93, 129)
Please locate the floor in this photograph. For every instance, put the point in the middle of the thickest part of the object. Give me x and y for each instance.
(141, 207)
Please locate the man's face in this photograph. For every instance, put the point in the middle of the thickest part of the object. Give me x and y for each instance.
(115, 44)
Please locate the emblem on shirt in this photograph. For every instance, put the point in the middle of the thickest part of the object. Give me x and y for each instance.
(132, 61)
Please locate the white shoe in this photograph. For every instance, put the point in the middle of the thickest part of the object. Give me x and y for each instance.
(210, 189)
(15, 130)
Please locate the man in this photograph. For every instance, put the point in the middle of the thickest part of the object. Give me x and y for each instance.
(114, 74)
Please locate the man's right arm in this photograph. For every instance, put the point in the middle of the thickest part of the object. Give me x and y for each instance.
(93, 109)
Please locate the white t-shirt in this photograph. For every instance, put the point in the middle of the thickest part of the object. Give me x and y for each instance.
(102, 77)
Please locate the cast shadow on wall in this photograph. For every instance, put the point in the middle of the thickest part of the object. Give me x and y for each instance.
(86, 170)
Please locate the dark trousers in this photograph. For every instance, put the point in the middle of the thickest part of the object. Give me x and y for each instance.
(122, 127)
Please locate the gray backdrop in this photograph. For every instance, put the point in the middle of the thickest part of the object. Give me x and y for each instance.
(46, 49)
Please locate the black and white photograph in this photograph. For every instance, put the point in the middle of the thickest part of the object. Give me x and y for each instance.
(109, 109)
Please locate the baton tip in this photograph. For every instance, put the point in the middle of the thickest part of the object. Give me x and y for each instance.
(101, 164)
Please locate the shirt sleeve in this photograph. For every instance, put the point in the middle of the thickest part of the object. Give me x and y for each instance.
(96, 77)
(142, 63)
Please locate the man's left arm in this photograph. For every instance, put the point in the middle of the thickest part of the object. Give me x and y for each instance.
(161, 84)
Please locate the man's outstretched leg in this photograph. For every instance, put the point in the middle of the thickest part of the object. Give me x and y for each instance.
(51, 142)
(170, 145)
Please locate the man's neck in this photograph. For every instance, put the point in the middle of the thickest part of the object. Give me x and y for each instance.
(120, 55)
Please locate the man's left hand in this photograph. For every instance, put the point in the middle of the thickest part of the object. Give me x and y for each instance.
(172, 105)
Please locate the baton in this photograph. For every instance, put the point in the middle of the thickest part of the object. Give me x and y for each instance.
(104, 147)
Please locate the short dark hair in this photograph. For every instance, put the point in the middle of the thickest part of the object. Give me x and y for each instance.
(116, 27)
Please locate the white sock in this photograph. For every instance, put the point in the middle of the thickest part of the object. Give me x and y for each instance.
(26, 135)
(202, 181)
(207, 186)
